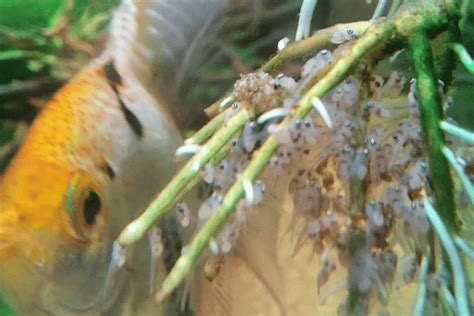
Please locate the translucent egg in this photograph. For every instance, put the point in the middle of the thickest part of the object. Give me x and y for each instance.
(323, 275)
(416, 176)
(397, 199)
(208, 173)
(411, 128)
(313, 228)
(394, 86)
(222, 175)
(343, 35)
(412, 94)
(183, 214)
(156, 244)
(209, 206)
(367, 271)
(227, 237)
(358, 167)
(408, 268)
(417, 224)
(308, 199)
(346, 94)
(259, 190)
(379, 109)
(249, 136)
(291, 102)
(345, 159)
(236, 161)
(374, 215)
(316, 63)
(309, 133)
(376, 87)
(285, 82)
(240, 215)
(283, 156)
(448, 102)
(234, 109)
(387, 265)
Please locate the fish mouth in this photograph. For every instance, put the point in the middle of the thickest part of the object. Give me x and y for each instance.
(98, 286)
(47, 279)
(105, 297)
(50, 304)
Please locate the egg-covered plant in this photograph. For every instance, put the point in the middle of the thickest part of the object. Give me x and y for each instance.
(363, 152)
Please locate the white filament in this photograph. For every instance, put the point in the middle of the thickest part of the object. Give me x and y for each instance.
(379, 9)
(319, 106)
(283, 43)
(464, 135)
(304, 22)
(117, 260)
(466, 182)
(226, 102)
(460, 290)
(196, 166)
(214, 247)
(187, 150)
(249, 195)
(272, 114)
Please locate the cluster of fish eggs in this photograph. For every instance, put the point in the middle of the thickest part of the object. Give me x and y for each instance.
(355, 174)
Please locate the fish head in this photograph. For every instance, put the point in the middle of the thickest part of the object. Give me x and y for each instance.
(55, 237)
(81, 174)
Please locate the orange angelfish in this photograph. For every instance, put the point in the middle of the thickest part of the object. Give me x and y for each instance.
(92, 160)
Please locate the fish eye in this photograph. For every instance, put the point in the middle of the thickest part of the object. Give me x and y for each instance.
(86, 209)
(92, 207)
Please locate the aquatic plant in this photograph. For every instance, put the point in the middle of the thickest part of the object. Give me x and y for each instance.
(364, 152)
(369, 159)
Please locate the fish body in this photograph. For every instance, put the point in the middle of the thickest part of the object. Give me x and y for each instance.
(75, 180)
(92, 160)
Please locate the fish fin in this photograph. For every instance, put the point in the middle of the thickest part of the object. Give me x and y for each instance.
(250, 279)
(158, 42)
(261, 257)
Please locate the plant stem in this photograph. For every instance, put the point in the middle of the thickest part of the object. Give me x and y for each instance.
(310, 46)
(460, 290)
(201, 241)
(207, 130)
(444, 56)
(163, 202)
(414, 17)
(431, 115)
(299, 51)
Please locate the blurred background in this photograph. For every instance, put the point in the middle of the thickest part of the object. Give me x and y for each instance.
(43, 43)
